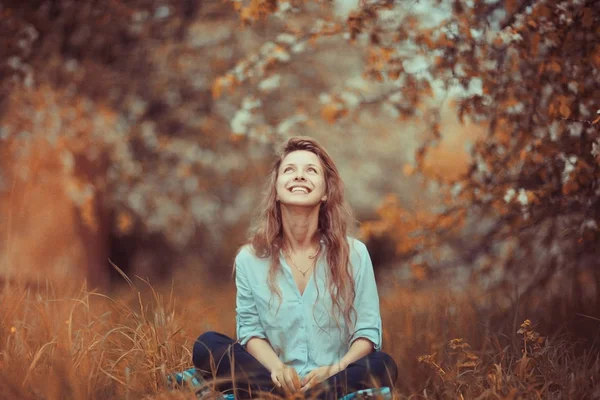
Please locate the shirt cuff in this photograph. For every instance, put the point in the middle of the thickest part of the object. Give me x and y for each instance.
(246, 336)
(372, 334)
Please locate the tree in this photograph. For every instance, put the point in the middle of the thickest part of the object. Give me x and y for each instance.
(527, 70)
(119, 94)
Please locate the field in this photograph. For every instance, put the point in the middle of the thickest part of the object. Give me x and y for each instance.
(59, 343)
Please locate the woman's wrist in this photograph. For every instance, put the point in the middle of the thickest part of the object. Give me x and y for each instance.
(277, 366)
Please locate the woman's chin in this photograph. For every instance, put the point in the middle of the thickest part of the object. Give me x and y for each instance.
(308, 203)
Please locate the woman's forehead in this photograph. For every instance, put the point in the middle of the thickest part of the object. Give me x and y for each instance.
(301, 157)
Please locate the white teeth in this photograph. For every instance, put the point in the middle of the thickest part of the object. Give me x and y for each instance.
(295, 190)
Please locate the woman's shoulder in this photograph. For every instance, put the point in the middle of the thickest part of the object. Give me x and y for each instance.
(359, 255)
(247, 260)
(245, 253)
(356, 246)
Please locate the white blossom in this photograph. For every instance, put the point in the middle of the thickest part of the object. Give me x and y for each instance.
(14, 62)
(575, 129)
(554, 130)
(287, 124)
(522, 198)
(240, 122)
(325, 98)
(240, 67)
(508, 36)
(139, 16)
(596, 148)
(395, 97)
(68, 161)
(286, 38)
(281, 55)
(271, 83)
(590, 224)
(283, 6)
(475, 33)
(71, 65)
(510, 194)
(570, 163)
(136, 200)
(456, 189)
(298, 47)
(149, 135)
(351, 99)
(250, 103)
(475, 87)
(162, 12)
(267, 48)
(390, 109)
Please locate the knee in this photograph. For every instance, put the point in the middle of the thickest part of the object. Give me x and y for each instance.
(208, 338)
(204, 345)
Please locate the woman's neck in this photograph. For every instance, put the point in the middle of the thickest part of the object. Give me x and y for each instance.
(300, 225)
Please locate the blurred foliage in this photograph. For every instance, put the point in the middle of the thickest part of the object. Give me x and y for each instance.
(527, 208)
(162, 115)
(118, 95)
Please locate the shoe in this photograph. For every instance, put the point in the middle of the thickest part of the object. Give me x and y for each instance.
(187, 378)
(384, 393)
(190, 379)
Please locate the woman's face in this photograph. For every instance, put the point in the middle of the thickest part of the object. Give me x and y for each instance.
(301, 179)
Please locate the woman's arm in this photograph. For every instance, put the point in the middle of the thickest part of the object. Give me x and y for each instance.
(251, 333)
(367, 330)
(359, 348)
(282, 375)
(261, 350)
(368, 321)
(248, 324)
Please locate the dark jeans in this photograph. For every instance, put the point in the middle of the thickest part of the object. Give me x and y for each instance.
(225, 361)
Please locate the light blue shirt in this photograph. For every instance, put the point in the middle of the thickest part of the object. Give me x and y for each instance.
(301, 328)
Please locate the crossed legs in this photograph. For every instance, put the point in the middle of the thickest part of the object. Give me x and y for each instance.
(218, 357)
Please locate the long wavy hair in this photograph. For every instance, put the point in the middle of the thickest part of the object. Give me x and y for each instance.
(335, 217)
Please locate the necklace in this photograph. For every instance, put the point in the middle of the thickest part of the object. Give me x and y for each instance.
(310, 257)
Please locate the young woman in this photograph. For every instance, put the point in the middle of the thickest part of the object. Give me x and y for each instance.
(307, 312)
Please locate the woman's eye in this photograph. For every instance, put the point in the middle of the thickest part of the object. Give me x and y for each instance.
(287, 169)
(312, 169)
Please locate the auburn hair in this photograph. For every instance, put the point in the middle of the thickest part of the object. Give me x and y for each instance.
(335, 218)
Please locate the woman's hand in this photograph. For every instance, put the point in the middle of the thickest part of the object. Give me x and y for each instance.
(318, 375)
(287, 378)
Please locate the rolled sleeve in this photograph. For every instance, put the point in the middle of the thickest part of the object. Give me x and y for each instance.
(248, 323)
(368, 323)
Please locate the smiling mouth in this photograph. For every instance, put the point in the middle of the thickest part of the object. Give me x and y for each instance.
(299, 190)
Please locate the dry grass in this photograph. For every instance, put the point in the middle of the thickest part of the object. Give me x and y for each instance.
(78, 344)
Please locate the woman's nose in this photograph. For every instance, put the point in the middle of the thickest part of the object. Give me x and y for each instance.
(299, 176)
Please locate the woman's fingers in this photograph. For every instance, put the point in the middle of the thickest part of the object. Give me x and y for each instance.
(275, 379)
(296, 379)
(309, 384)
(286, 378)
(289, 380)
(310, 380)
(308, 377)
